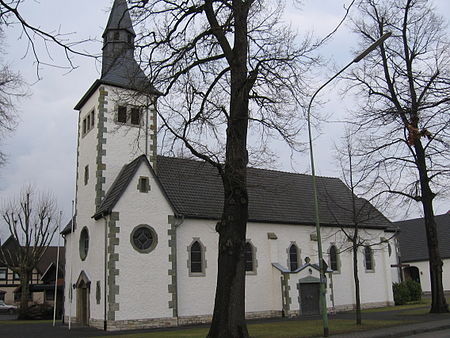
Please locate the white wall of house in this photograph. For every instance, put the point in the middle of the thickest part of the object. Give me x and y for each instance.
(424, 273)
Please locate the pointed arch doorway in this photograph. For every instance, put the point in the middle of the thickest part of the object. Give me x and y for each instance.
(82, 287)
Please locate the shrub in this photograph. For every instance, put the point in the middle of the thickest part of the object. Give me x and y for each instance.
(406, 291)
(401, 293)
(415, 291)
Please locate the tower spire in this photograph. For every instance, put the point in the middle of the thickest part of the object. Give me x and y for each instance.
(118, 37)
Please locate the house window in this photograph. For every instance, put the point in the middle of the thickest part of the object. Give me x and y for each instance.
(86, 175)
(16, 276)
(143, 238)
(135, 116)
(122, 114)
(84, 243)
(334, 265)
(250, 261)
(143, 184)
(368, 258)
(18, 295)
(49, 295)
(3, 273)
(2, 295)
(293, 257)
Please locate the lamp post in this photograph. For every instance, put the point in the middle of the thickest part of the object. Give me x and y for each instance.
(323, 304)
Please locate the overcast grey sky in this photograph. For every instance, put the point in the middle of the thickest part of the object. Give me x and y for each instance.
(42, 151)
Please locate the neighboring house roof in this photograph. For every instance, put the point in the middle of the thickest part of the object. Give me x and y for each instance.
(47, 259)
(413, 240)
(195, 190)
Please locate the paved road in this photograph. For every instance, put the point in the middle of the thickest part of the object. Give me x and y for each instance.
(434, 334)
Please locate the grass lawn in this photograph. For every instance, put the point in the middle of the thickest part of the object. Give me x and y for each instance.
(17, 322)
(285, 329)
(425, 302)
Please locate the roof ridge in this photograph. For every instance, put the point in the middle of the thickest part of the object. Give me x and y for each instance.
(250, 167)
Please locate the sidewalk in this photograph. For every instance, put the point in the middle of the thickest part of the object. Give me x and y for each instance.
(399, 331)
(423, 323)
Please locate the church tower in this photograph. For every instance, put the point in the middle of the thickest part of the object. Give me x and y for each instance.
(116, 125)
(117, 119)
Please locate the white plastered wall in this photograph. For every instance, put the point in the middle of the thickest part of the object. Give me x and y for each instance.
(143, 277)
(263, 291)
(424, 273)
(123, 142)
(93, 265)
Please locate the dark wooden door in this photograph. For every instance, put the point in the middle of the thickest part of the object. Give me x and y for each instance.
(309, 299)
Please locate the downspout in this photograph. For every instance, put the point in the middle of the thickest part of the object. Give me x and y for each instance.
(105, 261)
(177, 223)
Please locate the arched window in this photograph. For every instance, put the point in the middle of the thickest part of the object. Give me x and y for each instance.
(196, 258)
(368, 257)
(334, 265)
(293, 257)
(249, 257)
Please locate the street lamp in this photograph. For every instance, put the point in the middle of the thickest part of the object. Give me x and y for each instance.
(323, 304)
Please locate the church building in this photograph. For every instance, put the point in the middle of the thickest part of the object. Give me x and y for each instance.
(141, 249)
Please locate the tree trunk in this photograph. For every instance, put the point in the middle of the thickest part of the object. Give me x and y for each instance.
(356, 279)
(25, 290)
(438, 301)
(229, 307)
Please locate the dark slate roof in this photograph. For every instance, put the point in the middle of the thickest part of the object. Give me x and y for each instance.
(120, 68)
(119, 18)
(413, 239)
(195, 190)
(68, 228)
(49, 257)
(126, 73)
(11, 245)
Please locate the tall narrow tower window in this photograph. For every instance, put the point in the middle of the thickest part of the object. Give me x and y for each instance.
(86, 175)
(135, 116)
(122, 114)
(92, 119)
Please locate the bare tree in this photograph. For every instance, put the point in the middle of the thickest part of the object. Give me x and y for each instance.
(361, 210)
(403, 121)
(232, 75)
(11, 88)
(32, 222)
(11, 13)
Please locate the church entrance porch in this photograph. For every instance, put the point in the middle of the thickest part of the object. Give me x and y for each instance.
(82, 293)
(309, 297)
